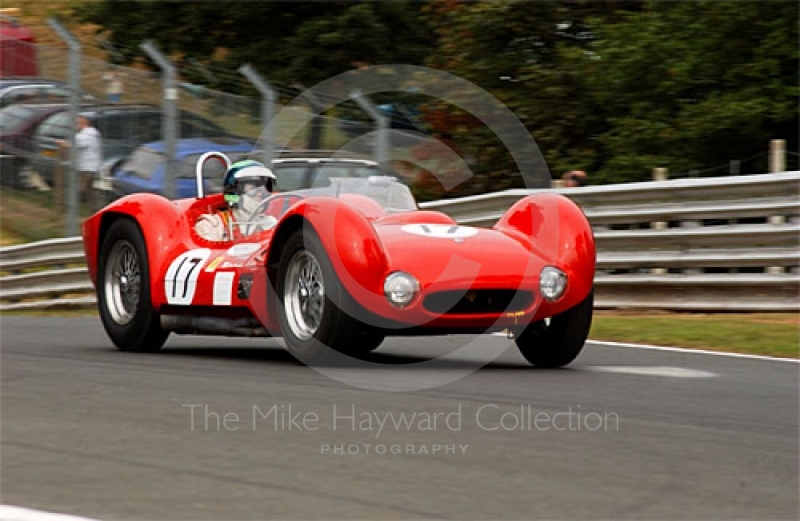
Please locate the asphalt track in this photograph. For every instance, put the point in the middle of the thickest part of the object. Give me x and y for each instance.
(87, 430)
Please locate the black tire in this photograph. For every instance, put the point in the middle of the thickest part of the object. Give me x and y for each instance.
(130, 322)
(314, 336)
(558, 343)
(368, 339)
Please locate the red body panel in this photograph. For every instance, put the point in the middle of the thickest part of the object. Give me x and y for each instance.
(364, 245)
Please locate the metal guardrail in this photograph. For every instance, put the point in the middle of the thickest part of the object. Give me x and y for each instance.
(647, 265)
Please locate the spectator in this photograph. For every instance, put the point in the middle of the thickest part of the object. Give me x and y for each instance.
(90, 154)
(114, 87)
(88, 144)
(574, 178)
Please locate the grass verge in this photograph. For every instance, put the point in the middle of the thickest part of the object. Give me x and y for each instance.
(770, 334)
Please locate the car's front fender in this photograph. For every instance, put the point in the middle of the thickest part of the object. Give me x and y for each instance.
(556, 230)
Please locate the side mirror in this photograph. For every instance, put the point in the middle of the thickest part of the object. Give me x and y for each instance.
(198, 169)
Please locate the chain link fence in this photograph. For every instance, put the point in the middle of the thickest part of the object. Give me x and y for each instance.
(125, 105)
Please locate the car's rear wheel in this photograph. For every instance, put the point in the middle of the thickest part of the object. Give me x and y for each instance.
(123, 290)
(314, 325)
(559, 341)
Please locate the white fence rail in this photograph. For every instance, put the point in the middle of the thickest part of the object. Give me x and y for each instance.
(722, 244)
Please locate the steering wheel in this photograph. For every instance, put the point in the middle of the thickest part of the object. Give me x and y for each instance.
(263, 205)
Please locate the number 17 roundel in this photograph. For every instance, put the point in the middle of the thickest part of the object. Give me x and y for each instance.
(180, 282)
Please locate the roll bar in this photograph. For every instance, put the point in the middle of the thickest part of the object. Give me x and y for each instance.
(198, 169)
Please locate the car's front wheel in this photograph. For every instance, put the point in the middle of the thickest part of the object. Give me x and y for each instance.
(314, 325)
(123, 290)
(559, 340)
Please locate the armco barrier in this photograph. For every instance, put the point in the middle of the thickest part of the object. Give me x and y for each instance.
(721, 244)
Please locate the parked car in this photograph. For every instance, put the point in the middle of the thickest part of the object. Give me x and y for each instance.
(122, 128)
(145, 169)
(37, 90)
(17, 126)
(342, 268)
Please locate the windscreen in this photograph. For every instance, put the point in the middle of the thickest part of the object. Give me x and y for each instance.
(386, 191)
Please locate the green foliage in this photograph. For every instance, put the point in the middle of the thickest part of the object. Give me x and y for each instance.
(290, 42)
(693, 84)
(617, 89)
(614, 88)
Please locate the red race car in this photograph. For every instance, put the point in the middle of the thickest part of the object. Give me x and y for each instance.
(343, 267)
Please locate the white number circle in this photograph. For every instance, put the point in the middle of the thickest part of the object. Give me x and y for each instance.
(440, 231)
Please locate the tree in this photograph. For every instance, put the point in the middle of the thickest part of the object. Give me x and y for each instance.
(618, 88)
(692, 85)
(288, 42)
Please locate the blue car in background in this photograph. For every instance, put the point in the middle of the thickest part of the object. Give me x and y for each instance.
(144, 170)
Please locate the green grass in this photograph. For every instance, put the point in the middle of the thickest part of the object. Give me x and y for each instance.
(30, 215)
(768, 334)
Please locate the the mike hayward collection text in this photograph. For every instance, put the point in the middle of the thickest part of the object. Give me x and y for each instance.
(282, 417)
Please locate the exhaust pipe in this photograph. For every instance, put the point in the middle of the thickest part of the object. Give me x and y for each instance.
(196, 325)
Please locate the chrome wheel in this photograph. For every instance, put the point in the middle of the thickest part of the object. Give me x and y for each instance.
(122, 282)
(304, 295)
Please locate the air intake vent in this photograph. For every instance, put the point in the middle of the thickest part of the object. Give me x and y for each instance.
(480, 301)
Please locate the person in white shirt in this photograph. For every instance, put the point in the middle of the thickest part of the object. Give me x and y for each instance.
(88, 147)
(88, 143)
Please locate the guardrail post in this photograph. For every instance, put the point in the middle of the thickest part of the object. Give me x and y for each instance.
(268, 100)
(170, 117)
(777, 155)
(381, 123)
(660, 174)
(75, 87)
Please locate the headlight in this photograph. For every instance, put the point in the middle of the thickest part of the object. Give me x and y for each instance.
(400, 288)
(552, 283)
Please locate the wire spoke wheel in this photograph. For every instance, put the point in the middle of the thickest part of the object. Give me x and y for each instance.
(123, 282)
(304, 295)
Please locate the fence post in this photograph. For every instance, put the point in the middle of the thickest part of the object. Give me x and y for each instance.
(382, 149)
(315, 136)
(777, 155)
(75, 87)
(170, 108)
(268, 99)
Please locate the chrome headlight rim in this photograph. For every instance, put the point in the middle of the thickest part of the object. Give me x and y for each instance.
(390, 289)
(552, 283)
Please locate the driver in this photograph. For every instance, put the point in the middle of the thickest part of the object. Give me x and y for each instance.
(245, 185)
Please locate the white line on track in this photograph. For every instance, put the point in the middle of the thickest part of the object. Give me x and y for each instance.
(694, 351)
(669, 372)
(12, 513)
(685, 350)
